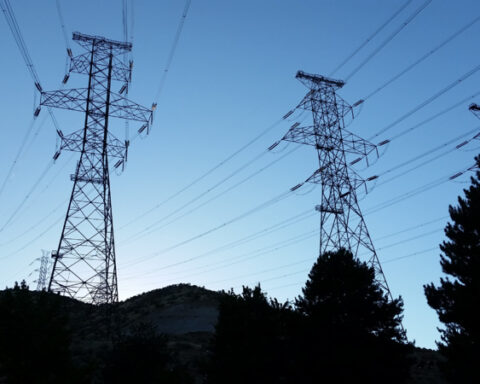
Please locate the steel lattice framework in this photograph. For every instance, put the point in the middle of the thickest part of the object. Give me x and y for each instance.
(84, 263)
(341, 222)
(43, 270)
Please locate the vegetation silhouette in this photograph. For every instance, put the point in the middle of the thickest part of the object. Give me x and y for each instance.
(457, 298)
(351, 330)
(252, 342)
(34, 338)
(141, 357)
(342, 329)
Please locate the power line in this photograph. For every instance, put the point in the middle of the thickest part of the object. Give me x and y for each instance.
(376, 32)
(388, 39)
(388, 203)
(125, 19)
(396, 167)
(427, 101)
(211, 170)
(64, 28)
(374, 209)
(416, 191)
(45, 188)
(286, 243)
(307, 270)
(426, 153)
(248, 255)
(257, 252)
(25, 199)
(173, 49)
(386, 128)
(282, 244)
(420, 165)
(253, 236)
(416, 237)
(20, 42)
(276, 248)
(196, 198)
(410, 255)
(383, 262)
(429, 152)
(17, 156)
(40, 235)
(390, 170)
(422, 58)
(17, 35)
(151, 228)
(259, 207)
(435, 116)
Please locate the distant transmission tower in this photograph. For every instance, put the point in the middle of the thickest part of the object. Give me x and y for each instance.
(42, 270)
(341, 222)
(84, 263)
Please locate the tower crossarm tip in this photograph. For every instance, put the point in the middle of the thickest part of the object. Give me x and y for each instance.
(123, 108)
(309, 79)
(475, 109)
(326, 177)
(101, 42)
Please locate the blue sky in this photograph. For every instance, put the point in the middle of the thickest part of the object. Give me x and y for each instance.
(233, 75)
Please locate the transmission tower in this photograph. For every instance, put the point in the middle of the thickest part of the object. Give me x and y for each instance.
(341, 222)
(42, 270)
(84, 264)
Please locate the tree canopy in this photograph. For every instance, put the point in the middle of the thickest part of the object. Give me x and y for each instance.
(354, 329)
(34, 338)
(342, 329)
(457, 298)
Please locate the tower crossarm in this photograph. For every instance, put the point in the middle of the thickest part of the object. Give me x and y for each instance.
(101, 43)
(309, 135)
(71, 99)
(124, 108)
(311, 80)
(343, 182)
(76, 100)
(475, 109)
(74, 142)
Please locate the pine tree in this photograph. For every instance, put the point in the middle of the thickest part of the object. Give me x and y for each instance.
(457, 298)
(352, 331)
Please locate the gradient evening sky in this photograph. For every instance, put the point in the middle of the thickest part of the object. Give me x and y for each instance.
(232, 76)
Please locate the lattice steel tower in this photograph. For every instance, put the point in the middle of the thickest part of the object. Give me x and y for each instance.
(84, 263)
(341, 222)
(42, 270)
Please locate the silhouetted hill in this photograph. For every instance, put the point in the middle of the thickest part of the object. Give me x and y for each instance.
(186, 316)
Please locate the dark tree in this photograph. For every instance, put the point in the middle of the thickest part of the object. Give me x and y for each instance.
(34, 338)
(352, 332)
(141, 357)
(251, 343)
(457, 298)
